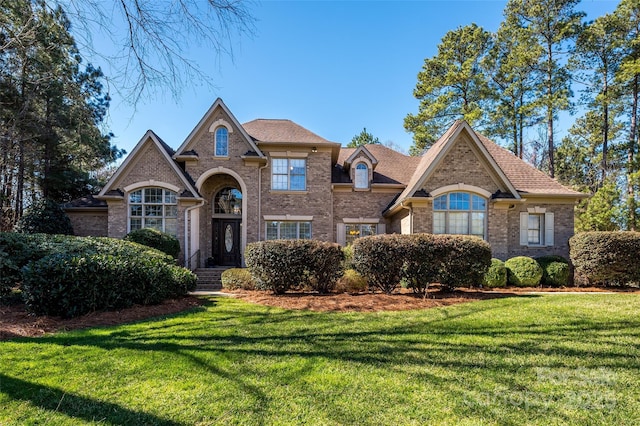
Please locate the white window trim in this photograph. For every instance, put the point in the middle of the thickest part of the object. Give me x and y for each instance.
(215, 142)
(297, 222)
(143, 204)
(288, 189)
(462, 188)
(547, 225)
(341, 228)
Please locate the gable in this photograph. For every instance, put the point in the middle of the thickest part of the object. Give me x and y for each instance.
(149, 163)
(463, 164)
(201, 141)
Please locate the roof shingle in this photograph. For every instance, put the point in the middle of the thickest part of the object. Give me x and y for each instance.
(283, 131)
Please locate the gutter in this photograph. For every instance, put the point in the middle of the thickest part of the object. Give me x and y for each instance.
(410, 208)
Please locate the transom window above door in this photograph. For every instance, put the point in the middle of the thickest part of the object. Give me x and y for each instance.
(228, 201)
(460, 213)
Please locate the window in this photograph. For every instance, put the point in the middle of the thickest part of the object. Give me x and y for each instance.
(155, 208)
(357, 230)
(222, 142)
(288, 174)
(459, 213)
(362, 176)
(536, 227)
(228, 201)
(288, 230)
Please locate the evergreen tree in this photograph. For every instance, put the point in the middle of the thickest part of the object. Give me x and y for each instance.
(363, 138)
(553, 24)
(451, 86)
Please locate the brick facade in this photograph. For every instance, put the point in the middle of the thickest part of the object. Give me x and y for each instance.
(457, 161)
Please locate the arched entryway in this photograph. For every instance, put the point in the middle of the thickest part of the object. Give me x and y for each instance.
(223, 233)
(226, 227)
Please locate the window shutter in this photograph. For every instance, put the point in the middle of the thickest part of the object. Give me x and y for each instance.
(548, 229)
(341, 236)
(382, 228)
(524, 228)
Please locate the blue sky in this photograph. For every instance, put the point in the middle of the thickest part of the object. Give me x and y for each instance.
(332, 67)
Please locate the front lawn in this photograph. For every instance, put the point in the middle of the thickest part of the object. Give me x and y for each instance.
(556, 359)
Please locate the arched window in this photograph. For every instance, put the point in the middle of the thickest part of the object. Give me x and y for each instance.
(228, 201)
(222, 142)
(155, 208)
(362, 176)
(460, 213)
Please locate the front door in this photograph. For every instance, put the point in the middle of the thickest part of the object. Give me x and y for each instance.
(226, 242)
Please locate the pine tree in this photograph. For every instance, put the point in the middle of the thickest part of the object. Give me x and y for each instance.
(363, 138)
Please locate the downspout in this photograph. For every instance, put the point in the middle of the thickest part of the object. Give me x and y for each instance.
(410, 208)
(260, 169)
(186, 230)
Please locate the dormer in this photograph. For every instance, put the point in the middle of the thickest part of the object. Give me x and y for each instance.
(361, 165)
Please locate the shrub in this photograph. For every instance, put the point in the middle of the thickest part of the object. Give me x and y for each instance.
(351, 282)
(279, 265)
(496, 275)
(71, 276)
(9, 274)
(523, 271)
(606, 258)
(150, 237)
(464, 262)
(380, 259)
(45, 217)
(237, 278)
(555, 270)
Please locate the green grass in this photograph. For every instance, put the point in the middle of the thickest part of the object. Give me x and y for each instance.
(557, 359)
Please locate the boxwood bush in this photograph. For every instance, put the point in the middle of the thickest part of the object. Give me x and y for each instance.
(237, 279)
(556, 271)
(150, 237)
(279, 265)
(606, 258)
(523, 271)
(496, 275)
(465, 260)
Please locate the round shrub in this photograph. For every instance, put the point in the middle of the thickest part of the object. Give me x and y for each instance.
(150, 237)
(351, 282)
(496, 275)
(555, 270)
(46, 217)
(523, 271)
(237, 279)
(606, 258)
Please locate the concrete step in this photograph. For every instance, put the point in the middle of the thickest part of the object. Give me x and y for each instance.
(209, 279)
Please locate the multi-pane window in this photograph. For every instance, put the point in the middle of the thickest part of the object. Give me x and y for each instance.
(155, 208)
(535, 229)
(362, 176)
(357, 230)
(222, 142)
(288, 230)
(289, 174)
(459, 213)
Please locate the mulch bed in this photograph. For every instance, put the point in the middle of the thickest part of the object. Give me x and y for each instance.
(16, 322)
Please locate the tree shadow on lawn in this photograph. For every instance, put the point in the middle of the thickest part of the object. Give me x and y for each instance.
(75, 406)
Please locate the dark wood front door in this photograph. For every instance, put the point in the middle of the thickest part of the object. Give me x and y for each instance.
(226, 242)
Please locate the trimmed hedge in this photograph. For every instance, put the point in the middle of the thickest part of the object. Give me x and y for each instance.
(496, 275)
(153, 238)
(419, 260)
(523, 271)
(555, 270)
(70, 276)
(380, 259)
(279, 265)
(237, 279)
(606, 258)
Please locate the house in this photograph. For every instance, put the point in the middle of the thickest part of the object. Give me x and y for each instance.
(230, 184)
